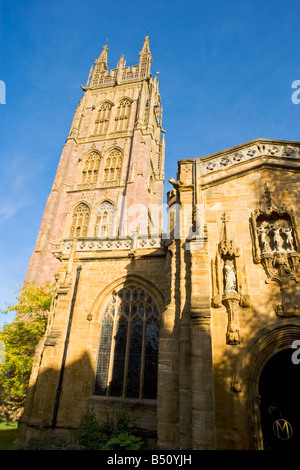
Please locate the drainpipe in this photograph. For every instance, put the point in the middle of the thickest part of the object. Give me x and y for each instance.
(62, 370)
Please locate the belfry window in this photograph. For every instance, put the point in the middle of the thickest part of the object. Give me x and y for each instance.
(102, 121)
(122, 116)
(91, 168)
(105, 220)
(80, 221)
(113, 163)
(128, 351)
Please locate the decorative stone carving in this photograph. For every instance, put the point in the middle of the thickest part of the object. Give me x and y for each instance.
(263, 231)
(94, 244)
(231, 302)
(276, 246)
(229, 283)
(261, 148)
(230, 278)
(289, 238)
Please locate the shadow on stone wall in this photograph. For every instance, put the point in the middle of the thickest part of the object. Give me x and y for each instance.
(198, 386)
(218, 383)
(237, 368)
(48, 407)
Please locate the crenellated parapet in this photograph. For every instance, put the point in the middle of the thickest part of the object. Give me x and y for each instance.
(100, 76)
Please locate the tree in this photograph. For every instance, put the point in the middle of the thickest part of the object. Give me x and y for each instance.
(20, 339)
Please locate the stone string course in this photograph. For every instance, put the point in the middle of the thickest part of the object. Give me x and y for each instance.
(97, 244)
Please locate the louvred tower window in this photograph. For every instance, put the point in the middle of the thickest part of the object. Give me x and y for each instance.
(105, 220)
(102, 121)
(80, 221)
(91, 168)
(122, 116)
(113, 163)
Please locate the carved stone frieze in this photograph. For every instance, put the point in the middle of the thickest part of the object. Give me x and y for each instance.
(98, 244)
(259, 149)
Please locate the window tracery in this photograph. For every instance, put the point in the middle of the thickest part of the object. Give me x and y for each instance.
(102, 121)
(113, 163)
(122, 115)
(105, 220)
(128, 351)
(80, 221)
(91, 168)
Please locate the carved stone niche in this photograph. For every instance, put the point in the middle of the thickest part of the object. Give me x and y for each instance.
(229, 283)
(276, 246)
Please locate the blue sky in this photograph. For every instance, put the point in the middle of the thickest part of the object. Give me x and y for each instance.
(225, 69)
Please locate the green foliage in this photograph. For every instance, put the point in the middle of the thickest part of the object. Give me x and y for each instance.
(89, 433)
(8, 434)
(52, 442)
(112, 427)
(124, 441)
(21, 338)
(34, 300)
(118, 434)
(92, 436)
(113, 434)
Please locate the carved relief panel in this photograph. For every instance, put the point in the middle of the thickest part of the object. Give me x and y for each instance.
(276, 246)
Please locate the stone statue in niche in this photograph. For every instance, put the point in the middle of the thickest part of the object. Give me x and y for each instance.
(289, 238)
(276, 237)
(263, 231)
(277, 240)
(276, 245)
(229, 278)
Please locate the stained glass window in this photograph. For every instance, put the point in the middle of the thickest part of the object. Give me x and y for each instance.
(128, 351)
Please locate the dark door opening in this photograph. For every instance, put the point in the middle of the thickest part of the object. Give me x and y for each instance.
(279, 388)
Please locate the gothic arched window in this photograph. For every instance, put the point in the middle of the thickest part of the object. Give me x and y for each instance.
(105, 220)
(113, 163)
(80, 221)
(128, 352)
(122, 116)
(91, 168)
(102, 121)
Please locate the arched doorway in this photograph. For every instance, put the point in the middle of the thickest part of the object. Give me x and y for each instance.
(256, 369)
(279, 390)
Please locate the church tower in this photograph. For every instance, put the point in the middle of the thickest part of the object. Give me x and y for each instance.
(192, 335)
(101, 241)
(109, 181)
